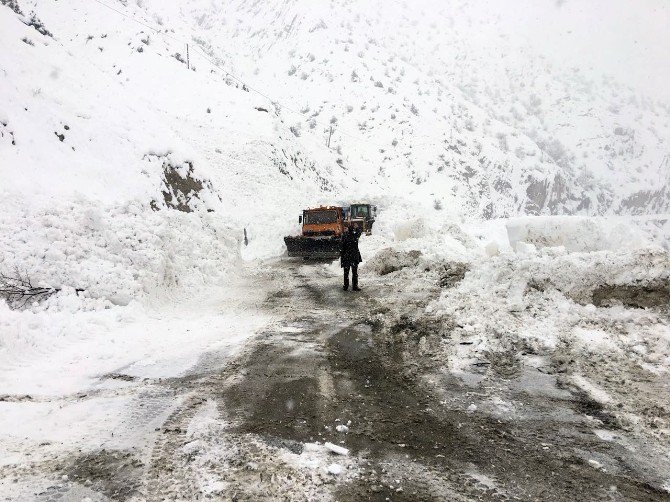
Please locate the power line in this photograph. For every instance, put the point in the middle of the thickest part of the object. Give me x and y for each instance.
(132, 18)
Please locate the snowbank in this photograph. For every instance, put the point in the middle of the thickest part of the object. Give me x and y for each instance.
(576, 233)
(596, 316)
(114, 253)
(72, 343)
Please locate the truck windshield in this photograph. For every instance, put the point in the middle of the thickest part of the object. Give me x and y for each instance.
(320, 217)
(360, 211)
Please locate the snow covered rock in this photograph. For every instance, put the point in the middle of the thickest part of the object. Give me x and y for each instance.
(390, 260)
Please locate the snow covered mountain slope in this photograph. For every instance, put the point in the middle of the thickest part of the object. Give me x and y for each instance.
(446, 95)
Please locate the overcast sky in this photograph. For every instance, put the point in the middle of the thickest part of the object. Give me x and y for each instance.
(629, 39)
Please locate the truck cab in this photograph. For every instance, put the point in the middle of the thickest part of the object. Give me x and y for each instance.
(361, 216)
(324, 221)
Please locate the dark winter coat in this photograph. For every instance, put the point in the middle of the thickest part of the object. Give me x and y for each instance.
(349, 253)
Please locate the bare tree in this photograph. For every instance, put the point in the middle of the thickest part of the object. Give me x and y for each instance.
(19, 290)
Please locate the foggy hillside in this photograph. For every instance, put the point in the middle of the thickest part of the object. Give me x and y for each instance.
(419, 103)
(447, 96)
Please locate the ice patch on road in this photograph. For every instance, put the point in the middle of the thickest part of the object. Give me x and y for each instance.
(291, 329)
(36, 430)
(592, 390)
(335, 469)
(339, 450)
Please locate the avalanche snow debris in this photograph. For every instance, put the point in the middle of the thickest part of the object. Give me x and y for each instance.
(335, 469)
(336, 449)
(389, 260)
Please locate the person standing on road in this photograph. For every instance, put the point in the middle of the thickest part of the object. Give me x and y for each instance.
(350, 257)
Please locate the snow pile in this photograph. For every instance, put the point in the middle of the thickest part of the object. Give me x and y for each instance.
(72, 343)
(401, 238)
(115, 253)
(588, 316)
(389, 260)
(584, 234)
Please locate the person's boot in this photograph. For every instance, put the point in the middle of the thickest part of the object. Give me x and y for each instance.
(355, 288)
(345, 287)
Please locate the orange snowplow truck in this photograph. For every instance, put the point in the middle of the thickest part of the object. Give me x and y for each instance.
(322, 229)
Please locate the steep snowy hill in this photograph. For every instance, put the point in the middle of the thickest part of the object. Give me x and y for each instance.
(124, 171)
(446, 94)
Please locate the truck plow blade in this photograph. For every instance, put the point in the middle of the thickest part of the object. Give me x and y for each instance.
(313, 247)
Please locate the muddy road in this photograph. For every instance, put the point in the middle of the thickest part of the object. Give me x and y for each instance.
(359, 372)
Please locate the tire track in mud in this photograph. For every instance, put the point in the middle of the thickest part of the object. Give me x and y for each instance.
(324, 364)
(399, 427)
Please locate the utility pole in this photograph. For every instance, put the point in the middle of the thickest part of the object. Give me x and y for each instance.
(188, 61)
(329, 136)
